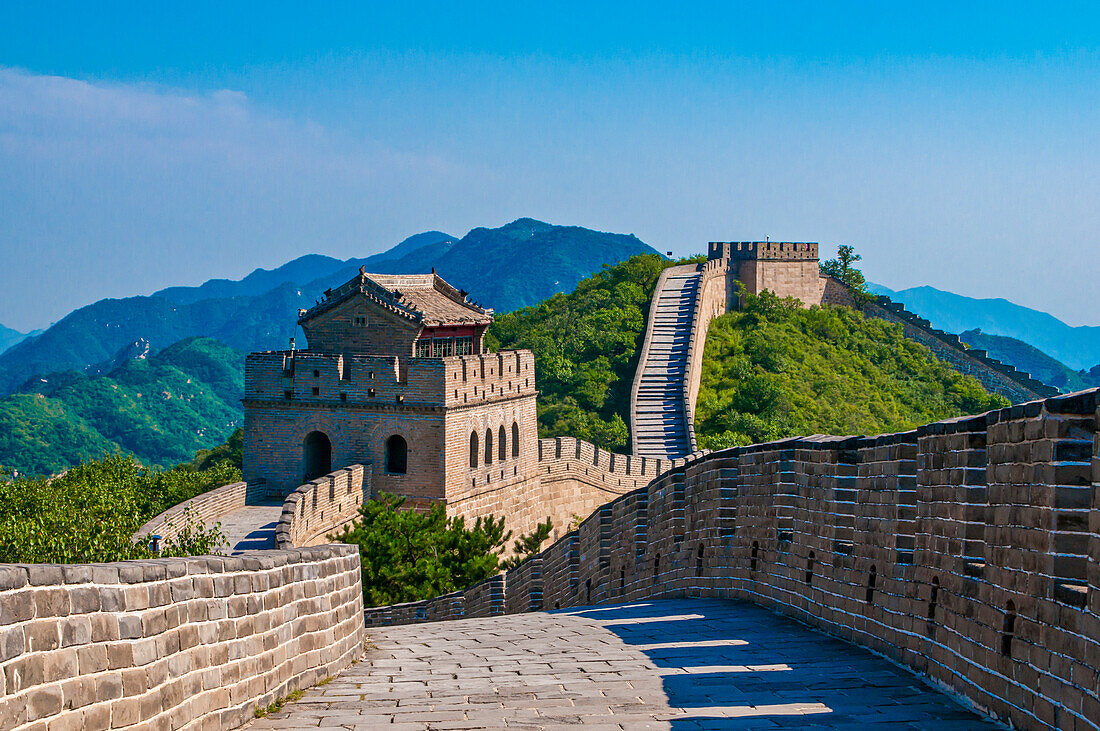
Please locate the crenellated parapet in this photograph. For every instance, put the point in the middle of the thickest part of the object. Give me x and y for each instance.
(762, 250)
(322, 507)
(374, 381)
(997, 377)
(967, 549)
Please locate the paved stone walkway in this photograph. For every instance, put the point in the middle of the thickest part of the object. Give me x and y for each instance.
(251, 528)
(674, 665)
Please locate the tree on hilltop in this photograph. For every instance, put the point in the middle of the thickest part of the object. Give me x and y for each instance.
(842, 270)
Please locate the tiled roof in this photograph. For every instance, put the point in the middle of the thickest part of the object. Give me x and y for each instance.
(422, 298)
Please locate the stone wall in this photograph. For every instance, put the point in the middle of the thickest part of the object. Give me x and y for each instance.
(207, 508)
(173, 643)
(997, 377)
(716, 296)
(358, 402)
(323, 506)
(575, 478)
(968, 550)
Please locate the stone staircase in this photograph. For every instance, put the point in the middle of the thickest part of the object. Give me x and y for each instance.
(659, 422)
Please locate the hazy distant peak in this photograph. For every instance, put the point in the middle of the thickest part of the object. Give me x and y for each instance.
(1077, 347)
(415, 242)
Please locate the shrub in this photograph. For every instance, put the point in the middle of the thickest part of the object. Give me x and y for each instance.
(90, 512)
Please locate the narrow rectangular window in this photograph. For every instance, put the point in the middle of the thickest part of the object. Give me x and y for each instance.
(442, 347)
(464, 346)
(423, 348)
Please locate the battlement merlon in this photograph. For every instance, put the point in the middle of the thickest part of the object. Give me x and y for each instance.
(763, 250)
(309, 377)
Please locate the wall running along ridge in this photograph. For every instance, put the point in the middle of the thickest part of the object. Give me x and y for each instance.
(995, 376)
(183, 643)
(968, 550)
(716, 294)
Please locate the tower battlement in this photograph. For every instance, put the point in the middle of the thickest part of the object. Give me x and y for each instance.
(309, 377)
(763, 250)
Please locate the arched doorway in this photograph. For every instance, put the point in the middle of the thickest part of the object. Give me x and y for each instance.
(397, 455)
(316, 455)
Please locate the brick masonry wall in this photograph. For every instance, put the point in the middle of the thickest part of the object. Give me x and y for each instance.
(336, 331)
(359, 402)
(997, 377)
(207, 508)
(968, 550)
(800, 279)
(716, 296)
(173, 643)
(322, 507)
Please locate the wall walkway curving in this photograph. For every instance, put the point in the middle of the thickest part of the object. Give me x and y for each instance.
(209, 507)
(968, 550)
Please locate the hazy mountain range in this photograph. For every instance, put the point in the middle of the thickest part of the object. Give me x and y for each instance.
(1077, 347)
(9, 337)
(505, 268)
(1030, 359)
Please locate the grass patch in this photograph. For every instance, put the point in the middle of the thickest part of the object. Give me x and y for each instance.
(278, 704)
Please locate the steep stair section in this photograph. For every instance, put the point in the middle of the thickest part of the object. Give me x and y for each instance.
(658, 421)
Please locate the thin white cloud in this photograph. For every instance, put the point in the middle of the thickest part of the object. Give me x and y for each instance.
(140, 187)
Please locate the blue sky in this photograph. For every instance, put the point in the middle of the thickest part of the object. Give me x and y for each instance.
(142, 146)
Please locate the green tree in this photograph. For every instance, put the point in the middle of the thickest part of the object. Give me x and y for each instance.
(230, 452)
(841, 269)
(528, 545)
(408, 555)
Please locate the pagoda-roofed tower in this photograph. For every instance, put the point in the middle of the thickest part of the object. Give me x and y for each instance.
(394, 376)
(407, 315)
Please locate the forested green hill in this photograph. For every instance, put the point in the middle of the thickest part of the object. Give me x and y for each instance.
(160, 409)
(776, 370)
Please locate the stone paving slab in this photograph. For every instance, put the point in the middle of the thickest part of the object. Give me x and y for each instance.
(251, 528)
(679, 665)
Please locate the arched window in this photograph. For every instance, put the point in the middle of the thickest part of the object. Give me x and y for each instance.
(502, 448)
(515, 439)
(473, 450)
(397, 455)
(488, 446)
(316, 456)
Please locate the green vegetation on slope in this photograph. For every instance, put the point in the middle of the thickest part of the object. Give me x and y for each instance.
(161, 409)
(586, 347)
(775, 370)
(1033, 361)
(90, 513)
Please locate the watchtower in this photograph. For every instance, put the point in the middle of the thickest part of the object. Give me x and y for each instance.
(787, 268)
(396, 375)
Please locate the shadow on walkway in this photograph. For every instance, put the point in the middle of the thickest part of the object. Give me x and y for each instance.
(733, 665)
